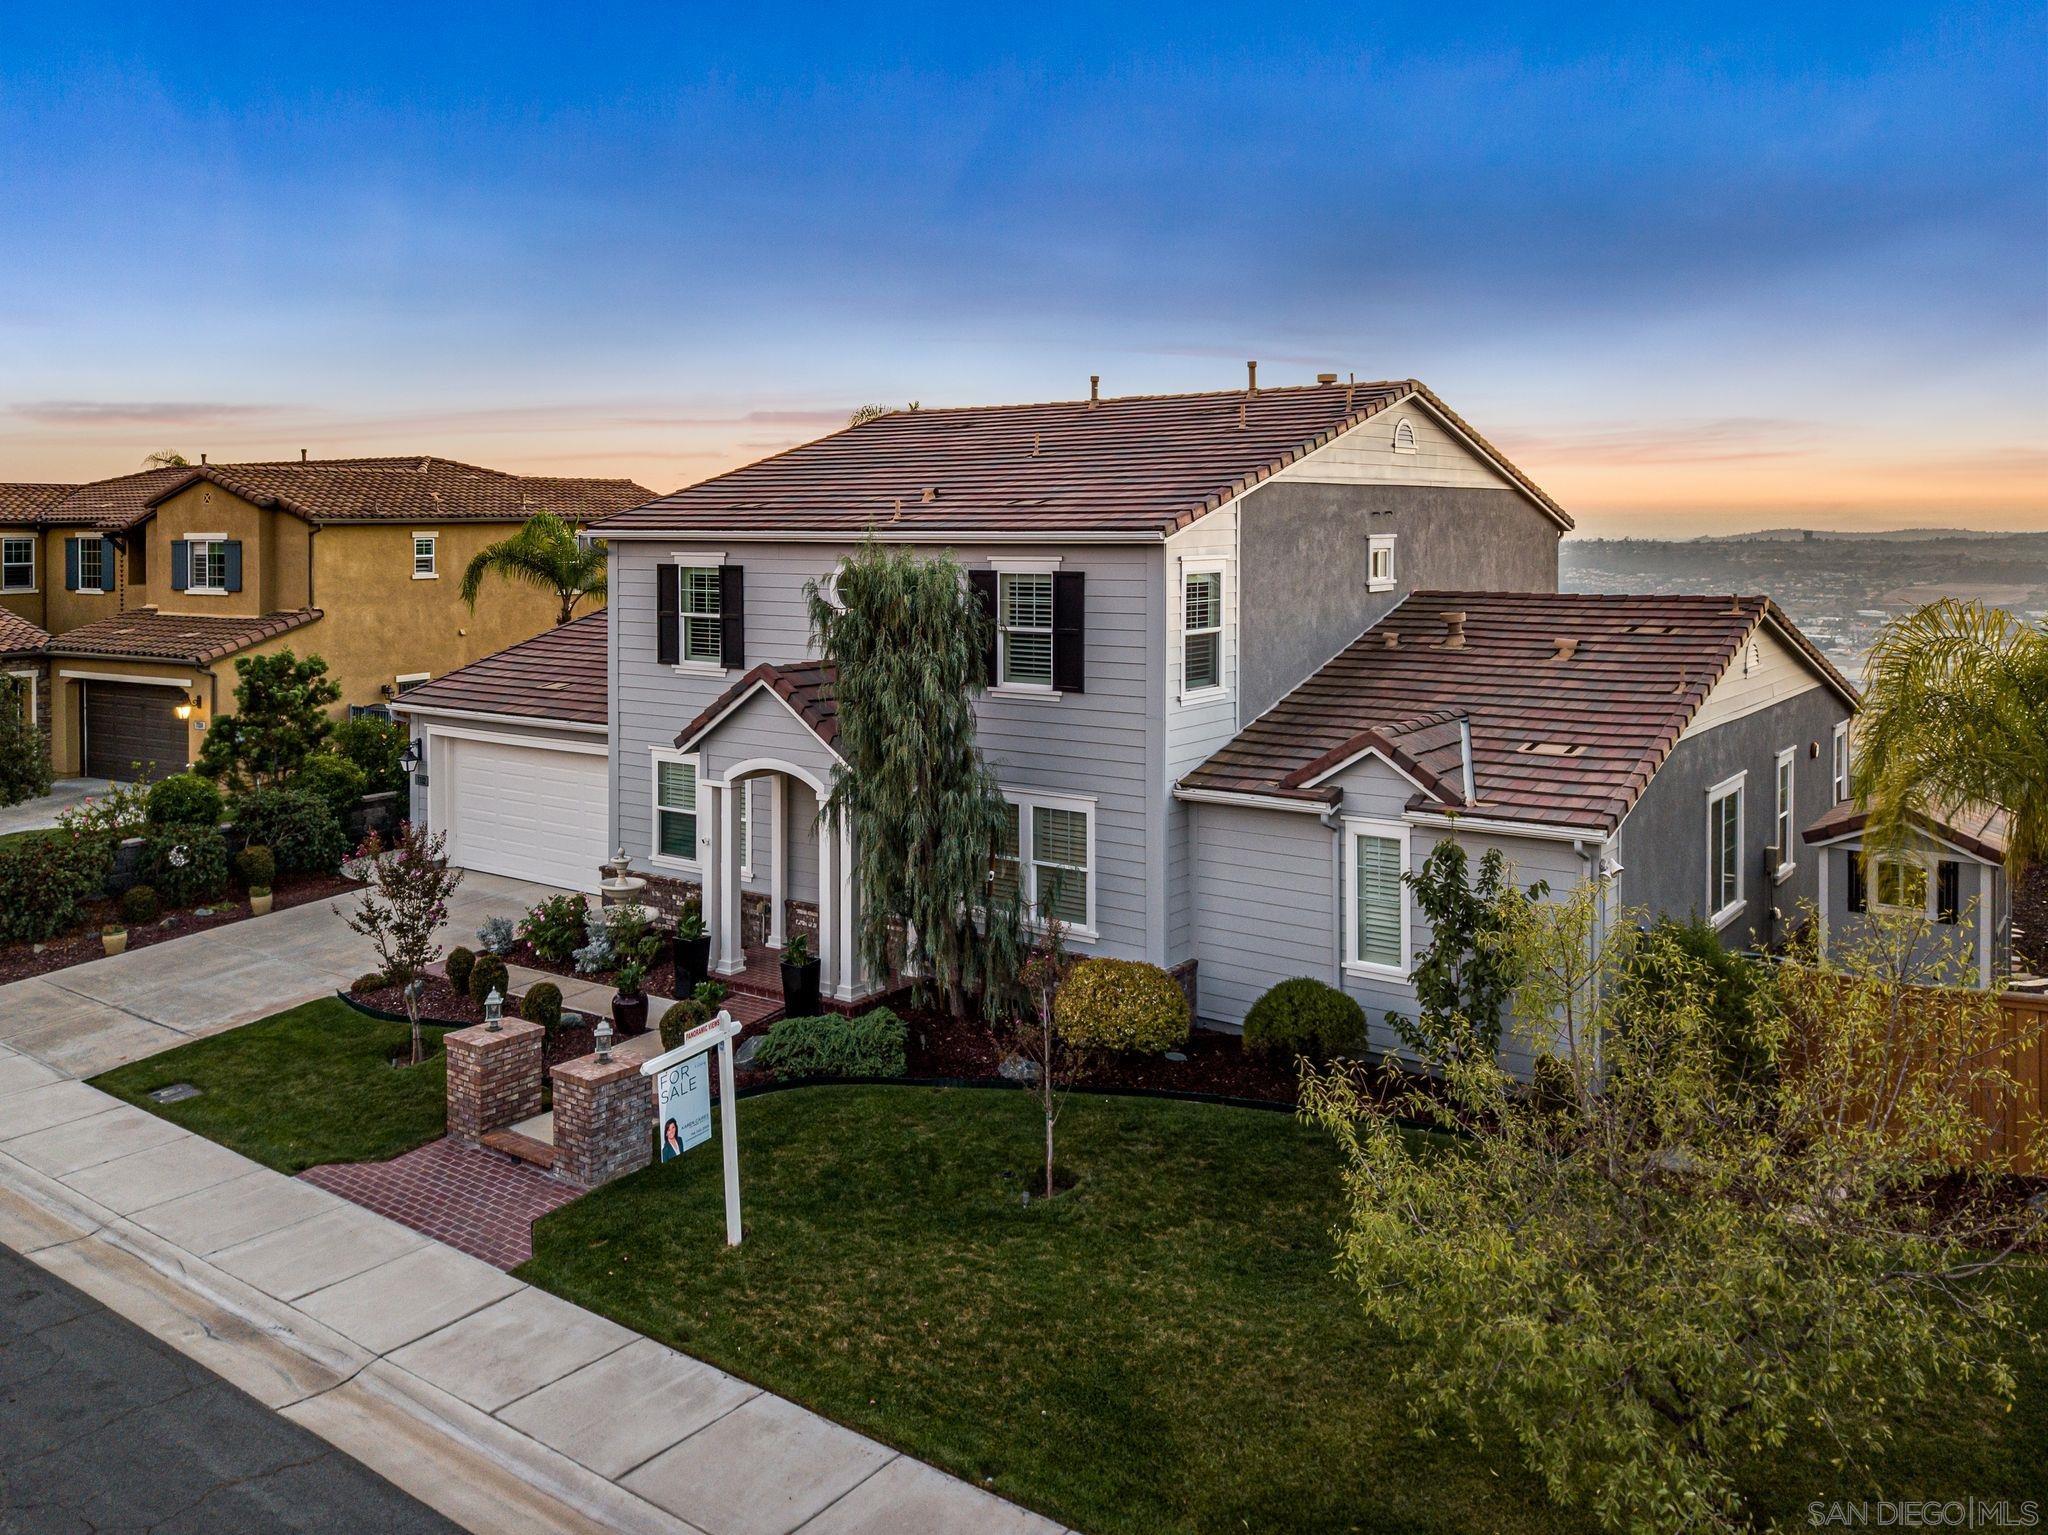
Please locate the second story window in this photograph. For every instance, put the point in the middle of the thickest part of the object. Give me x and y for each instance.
(1379, 562)
(17, 564)
(92, 564)
(1201, 630)
(1841, 762)
(423, 566)
(1025, 629)
(1782, 826)
(208, 565)
(1724, 851)
(700, 608)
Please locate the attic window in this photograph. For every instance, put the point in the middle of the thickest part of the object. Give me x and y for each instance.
(1404, 436)
(1550, 749)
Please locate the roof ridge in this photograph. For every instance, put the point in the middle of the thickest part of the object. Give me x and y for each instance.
(1121, 399)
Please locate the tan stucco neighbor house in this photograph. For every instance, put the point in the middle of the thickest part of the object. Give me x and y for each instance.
(150, 586)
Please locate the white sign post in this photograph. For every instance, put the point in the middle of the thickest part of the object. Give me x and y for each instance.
(681, 1099)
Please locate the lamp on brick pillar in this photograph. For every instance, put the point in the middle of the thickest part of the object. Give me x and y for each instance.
(601, 1036)
(494, 1011)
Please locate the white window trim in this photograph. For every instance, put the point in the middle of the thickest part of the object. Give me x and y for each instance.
(190, 540)
(1838, 762)
(659, 755)
(106, 573)
(743, 790)
(1354, 828)
(30, 678)
(695, 559)
(1873, 882)
(1414, 443)
(433, 543)
(1004, 687)
(1373, 544)
(1787, 813)
(1027, 801)
(1218, 567)
(401, 678)
(34, 560)
(1736, 785)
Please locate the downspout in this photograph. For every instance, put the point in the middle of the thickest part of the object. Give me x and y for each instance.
(1334, 822)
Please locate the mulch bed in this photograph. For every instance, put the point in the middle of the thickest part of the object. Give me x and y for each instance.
(19, 961)
(661, 976)
(444, 1007)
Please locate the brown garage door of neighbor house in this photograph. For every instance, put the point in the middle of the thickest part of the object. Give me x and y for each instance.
(127, 723)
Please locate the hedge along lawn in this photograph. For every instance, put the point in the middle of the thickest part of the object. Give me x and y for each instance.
(300, 1088)
(1164, 1347)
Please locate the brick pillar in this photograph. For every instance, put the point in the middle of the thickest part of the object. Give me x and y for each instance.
(604, 1120)
(493, 1079)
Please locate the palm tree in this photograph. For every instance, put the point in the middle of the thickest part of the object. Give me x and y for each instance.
(166, 458)
(1955, 714)
(546, 553)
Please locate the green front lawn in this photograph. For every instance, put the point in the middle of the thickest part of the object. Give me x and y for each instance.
(298, 1089)
(1165, 1348)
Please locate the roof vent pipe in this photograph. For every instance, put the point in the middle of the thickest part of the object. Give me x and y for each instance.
(1326, 378)
(1094, 389)
(1567, 647)
(1455, 623)
(1390, 640)
(202, 458)
(1465, 750)
(1251, 377)
(302, 455)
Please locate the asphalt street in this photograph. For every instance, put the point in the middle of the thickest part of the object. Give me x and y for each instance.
(104, 1430)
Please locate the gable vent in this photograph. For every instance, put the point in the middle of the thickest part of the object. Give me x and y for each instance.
(1550, 749)
(1404, 436)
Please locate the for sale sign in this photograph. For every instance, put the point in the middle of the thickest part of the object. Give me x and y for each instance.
(684, 1095)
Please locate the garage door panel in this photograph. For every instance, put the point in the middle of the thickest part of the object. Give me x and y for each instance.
(530, 812)
(129, 722)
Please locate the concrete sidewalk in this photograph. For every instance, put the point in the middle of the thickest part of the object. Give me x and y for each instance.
(498, 1405)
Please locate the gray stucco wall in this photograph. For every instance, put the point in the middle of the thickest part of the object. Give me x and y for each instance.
(1663, 841)
(1304, 566)
(1950, 955)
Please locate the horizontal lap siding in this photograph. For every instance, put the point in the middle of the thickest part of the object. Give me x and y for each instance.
(1264, 905)
(1194, 730)
(1093, 743)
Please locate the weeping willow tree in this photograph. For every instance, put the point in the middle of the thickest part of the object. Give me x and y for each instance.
(906, 636)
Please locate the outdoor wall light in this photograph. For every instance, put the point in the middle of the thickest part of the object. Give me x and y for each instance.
(494, 1010)
(602, 1037)
(412, 759)
(185, 706)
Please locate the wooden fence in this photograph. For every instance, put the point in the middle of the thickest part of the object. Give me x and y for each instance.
(2016, 1123)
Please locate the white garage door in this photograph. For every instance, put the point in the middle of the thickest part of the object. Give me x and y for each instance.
(527, 812)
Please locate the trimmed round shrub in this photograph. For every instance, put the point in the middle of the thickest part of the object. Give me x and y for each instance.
(188, 865)
(542, 1004)
(371, 981)
(487, 975)
(140, 904)
(183, 799)
(1304, 1016)
(338, 782)
(1120, 1004)
(679, 1019)
(257, 868)
(872, 1045)
(303, 834)
(460, 963)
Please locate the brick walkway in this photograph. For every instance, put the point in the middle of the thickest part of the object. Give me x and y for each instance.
(481, 1202)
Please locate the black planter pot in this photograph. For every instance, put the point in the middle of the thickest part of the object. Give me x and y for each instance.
(800, 989)
(693, 963)
(629, 1015)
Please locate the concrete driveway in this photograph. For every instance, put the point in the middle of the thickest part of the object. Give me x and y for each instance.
(94, 1017)
(39, 814)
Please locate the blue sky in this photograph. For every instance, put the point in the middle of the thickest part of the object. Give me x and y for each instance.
(1713, 263)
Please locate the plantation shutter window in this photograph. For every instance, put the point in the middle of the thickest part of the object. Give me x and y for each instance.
(1859, 886)
(1059, 864)
(1201, 630)
(17, 564)
(1378, 896)
(675, 810)
(1948, 892)
(732, 613)
(1024, 632)
(1070, 632)
(982, 583)
(667, 620)
(699, 601)
(181, 565)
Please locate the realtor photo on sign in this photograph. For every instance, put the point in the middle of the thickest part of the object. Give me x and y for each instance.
(685, 1099)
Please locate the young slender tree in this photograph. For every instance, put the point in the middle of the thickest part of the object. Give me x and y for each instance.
(403, 903)
(544, 553)
(905, 636)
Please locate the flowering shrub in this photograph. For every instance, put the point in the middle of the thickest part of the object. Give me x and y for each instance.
(403, 905)
(121, 812)
(556, 927)
(188, 865)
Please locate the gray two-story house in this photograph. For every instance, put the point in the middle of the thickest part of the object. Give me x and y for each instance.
(1253, 653)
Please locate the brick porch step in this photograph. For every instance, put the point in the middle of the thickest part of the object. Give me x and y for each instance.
(524, 1147)
(751, 1008)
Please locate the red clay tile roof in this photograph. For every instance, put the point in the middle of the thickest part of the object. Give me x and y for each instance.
(19, 637)
(1136, 466)
(194, 640)
(806, 686)
(413, 489)
(1981, 830)
(1555, 741)
(557, 675)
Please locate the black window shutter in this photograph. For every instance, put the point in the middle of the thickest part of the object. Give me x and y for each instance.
(181, 565)
(234, 549)
(983, 584)
(1948, 891)
(70, 564)
(732, 616)
(1070, 631)
(108, 579)
(1859, 891)
(668, 622)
